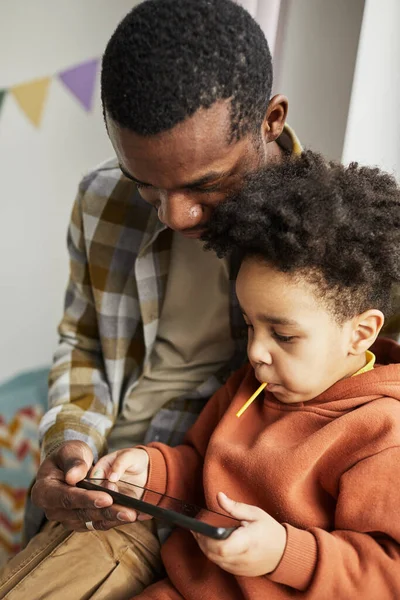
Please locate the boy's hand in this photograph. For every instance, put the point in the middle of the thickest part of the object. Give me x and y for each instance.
(254, 549)
(131, 465)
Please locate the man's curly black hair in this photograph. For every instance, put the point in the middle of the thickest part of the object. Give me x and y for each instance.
(169, 58)
(336, 227)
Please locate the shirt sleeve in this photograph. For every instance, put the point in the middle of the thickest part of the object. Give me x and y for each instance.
(80, 403)
(360, 558)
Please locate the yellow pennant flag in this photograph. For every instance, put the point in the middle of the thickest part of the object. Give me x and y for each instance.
(31, 98)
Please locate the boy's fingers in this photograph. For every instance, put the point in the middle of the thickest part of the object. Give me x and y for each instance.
(231, 548)
(237, 543)
(103, 467)
(134, 460)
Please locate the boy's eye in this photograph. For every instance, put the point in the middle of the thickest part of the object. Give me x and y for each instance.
(283, 338)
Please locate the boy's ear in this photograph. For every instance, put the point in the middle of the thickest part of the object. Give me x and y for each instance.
(366, 327)
(275, 118)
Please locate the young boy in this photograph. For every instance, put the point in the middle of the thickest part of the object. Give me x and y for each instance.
(312, 467)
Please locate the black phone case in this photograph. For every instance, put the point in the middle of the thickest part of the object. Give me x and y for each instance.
(163, 514)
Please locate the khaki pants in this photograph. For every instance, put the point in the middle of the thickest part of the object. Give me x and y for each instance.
(57, 564)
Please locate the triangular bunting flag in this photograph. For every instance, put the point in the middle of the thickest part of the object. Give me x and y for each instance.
(2, 96)
(31, 98)
(80, 80)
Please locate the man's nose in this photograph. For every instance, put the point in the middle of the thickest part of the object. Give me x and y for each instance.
(179, 211)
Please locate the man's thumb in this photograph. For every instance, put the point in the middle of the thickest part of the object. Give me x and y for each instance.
(75, 459)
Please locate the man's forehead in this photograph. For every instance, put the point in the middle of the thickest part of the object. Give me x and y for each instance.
(208, 126)
(187, 153)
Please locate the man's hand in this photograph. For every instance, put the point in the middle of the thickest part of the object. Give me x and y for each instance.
(55, 492)
(254, 549)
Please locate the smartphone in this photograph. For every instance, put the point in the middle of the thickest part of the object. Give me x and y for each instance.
(165, 508)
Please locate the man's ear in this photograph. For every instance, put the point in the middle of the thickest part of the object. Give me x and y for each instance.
(275, 118)
(366, 327)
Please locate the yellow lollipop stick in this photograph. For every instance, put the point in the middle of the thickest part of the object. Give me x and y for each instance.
(250, 400)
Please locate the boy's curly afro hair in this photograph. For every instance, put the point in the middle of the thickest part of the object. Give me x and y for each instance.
(169, 58)
(337, 227)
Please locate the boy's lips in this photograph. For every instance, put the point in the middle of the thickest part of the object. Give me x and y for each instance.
(270, 385)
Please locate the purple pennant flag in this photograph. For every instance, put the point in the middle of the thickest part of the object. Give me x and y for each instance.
(80, 80)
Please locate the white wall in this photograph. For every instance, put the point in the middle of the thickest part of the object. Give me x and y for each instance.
(373, 128)
(40, 168)
(314, 67)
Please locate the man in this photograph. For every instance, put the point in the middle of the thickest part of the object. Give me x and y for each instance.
(151, 326)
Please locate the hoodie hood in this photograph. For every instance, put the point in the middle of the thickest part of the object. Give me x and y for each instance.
(382, 381)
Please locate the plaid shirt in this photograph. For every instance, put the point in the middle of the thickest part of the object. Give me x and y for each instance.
(119, 256)
(119, 253)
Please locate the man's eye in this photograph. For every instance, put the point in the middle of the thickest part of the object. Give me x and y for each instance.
(141, 186)
(209, 189)
(283, 338)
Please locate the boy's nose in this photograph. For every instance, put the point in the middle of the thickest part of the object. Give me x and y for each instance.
(179, 211)
(259, 353)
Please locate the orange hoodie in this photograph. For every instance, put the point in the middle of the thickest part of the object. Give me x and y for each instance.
(328, 469)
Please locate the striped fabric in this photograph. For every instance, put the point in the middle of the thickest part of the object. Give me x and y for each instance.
(12, 503)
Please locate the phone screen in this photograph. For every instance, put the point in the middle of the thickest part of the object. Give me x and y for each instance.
(166, 508)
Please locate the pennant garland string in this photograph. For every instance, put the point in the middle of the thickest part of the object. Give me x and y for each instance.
(80, 80)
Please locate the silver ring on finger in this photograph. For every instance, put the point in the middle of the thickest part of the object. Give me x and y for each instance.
(89, 525)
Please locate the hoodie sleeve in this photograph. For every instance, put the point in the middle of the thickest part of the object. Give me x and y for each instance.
(361, 557)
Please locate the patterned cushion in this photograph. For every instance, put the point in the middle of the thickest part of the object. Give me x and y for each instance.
(23, 400)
